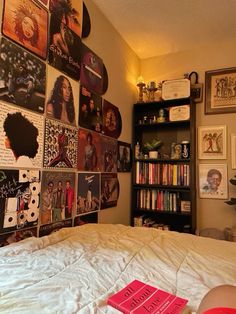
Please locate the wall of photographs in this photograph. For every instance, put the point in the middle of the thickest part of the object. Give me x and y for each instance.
(59, 148)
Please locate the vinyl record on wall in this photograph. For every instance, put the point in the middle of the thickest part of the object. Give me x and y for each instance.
(105, 79)
(86, 28)
(112, 122)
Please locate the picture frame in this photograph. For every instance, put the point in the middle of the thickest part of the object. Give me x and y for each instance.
(220, 94)
(233, 151)
(213, 181)
(124, 157)
(212, 143)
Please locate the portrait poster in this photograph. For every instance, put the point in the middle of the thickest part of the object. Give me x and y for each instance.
(64, 48)
(88, 199)
(70, 12)
(90, 110)
(21, 134)
(57, 196)
(22, 77)
(213, 181)
(112, 123)
(60, 145)
(26, 22)
(109, 190)
(91, 71)
(109, 154)
(124, 157)
(53, 227)
(16, 236)
(19, 199)
(89, 151)
(86, 218)
(62, 97)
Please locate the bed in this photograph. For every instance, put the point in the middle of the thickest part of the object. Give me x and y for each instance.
(74, 270)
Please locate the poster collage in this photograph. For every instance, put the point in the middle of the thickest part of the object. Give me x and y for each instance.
(59, 148)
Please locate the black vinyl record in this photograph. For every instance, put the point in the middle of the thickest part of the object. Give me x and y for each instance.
(86, 28)
(105, 80)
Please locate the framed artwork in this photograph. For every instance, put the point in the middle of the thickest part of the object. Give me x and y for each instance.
(124, 157)
(212, 142)
(220, 91)
(233, 151)
(213, 181)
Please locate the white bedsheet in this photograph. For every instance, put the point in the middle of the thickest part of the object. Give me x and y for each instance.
(75, 270)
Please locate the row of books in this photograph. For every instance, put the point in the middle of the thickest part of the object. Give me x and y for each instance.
(162, 173)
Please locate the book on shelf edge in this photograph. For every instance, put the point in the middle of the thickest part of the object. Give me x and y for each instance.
(140, 298)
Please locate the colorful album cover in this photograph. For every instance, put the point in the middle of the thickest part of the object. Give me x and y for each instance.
(62, 97)
(89, 151)
(22, 77)
(88, 193)
(109, 154)
(91, 71)
(19, 199)
(124, 157)
(112, 123)
(26, 22)
(45, 230)
(64, 48)
(57, 196)
(60, 145)
(16, 236)
(109, 190)
(86, 219)
(21, 134)
(90, 110)
(70, 12)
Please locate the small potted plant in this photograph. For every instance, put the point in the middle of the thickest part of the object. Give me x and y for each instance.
(232, 201)
(151, 148)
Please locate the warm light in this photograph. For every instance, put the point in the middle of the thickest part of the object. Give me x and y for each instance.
(140, 80)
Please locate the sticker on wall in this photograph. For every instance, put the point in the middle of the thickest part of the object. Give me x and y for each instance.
(22, 77)
(26, 23)
(62, 97)
(70, 12)
(90, 110)
(112, 123)
(19, 201)
(53, 227)
(60, 145)
(86, 22)
(109, 190)
(89, 151)
(21, 134)
(58, 196)
(109, 154)
(16, 236)
(124, 157)
(64, 48)
(88, 193)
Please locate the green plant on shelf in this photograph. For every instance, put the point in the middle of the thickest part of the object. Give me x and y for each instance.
(232, 201)
(154, 145)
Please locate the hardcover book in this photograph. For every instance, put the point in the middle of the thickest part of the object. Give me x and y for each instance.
(140, 298)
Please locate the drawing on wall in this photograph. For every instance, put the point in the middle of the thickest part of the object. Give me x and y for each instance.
(22, 77)
(112, 123)
(64, 48)
(88, 193)
(21, 132)
(53, 227)
(89, 151)
(57, 196)
(109, 190)
(16, 236)
(60, 145)
(19, 199)
(26, 23)
(90, 110)
(124, 157)
(62, 97)
(70, 12)
(109, 154)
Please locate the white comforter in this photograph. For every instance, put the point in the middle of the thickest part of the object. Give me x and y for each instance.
(75, 270)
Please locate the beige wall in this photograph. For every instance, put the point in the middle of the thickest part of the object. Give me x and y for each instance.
(123, 67)
(210, 213)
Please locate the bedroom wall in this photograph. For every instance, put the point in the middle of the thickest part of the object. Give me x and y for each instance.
(211, 56)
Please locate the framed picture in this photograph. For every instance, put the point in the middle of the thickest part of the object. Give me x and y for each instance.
(124, 157)
(220, 92)
(212, 142)
(233, 151)
(213, 181)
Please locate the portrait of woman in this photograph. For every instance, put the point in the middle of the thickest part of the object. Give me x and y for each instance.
(61, 102)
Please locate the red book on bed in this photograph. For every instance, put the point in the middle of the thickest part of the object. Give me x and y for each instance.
(140, 298)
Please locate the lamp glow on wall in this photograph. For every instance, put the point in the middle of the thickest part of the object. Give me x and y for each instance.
(150, 89)
(142, 88)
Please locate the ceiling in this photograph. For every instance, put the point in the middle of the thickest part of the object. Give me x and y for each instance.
(158, 27)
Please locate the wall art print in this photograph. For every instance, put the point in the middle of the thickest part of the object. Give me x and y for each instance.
(19, 199)
(62, 97)
(124, 157)
(26, 22)
(22, 77)
(109, 190)
(53, 227)
(109, 154)
(60, 145)
(112, 123)
(21, 134)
